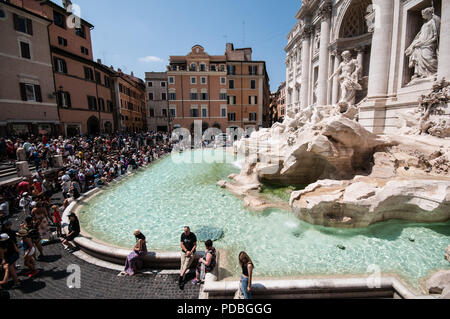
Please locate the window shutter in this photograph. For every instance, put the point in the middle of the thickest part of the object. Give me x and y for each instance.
(37, 90)
(250, 100)
(23, 92)
(16, 22)
(30, 27)
(64, 66)
(69, 102)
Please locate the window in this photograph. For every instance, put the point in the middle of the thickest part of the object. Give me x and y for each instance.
(150, 84)
(202, 67)
(23, 24)
(193, 80)
(231, 99)
(172, 96)
(194, 112)
(173, 112)
(203, 80)
(59, 20)
(163, 96)
(92, 103)
(171, 80)
(62, 41)
(253, 100)
(84, 51)
(152, 113)
(253, 70)
(81, 32)
(163, 84)
(231, 117)
(194, 96)
(30, 92)
(2, 14)
(252, 116)
(223, 96)
(213, 68)
(98, 78)
(120, 88)
(231, 84)
(204, 112)
(25, 50)
(223, 80)
(193, 67)
(107, 81)
(101, 104)
(223, 112)
(88, 74)
(204, 96)
(64, 100)
(253, 84)
(60, 66)
(231, 69)
(110, 106)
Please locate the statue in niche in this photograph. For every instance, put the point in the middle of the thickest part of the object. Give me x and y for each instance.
(349, 71)
(423, 51)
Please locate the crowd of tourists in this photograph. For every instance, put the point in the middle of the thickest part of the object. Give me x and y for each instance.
(87, 163)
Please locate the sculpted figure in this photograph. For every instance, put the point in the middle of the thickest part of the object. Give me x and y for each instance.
(422, 52)
(348, 71)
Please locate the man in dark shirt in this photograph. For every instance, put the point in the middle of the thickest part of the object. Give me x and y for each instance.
(188, 248)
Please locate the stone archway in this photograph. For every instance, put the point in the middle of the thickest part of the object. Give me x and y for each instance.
(93, 126)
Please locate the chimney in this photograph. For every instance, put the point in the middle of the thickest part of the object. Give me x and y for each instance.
(132, 74)
(66, 4)
(230, 47)
(99, 61)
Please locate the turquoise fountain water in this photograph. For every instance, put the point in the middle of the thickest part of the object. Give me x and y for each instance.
(182, 190)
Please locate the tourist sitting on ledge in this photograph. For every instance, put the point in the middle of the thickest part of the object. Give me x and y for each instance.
(74, 231)
(134, 260)
(208, 262)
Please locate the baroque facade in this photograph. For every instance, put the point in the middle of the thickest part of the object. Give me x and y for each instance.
(378, 55)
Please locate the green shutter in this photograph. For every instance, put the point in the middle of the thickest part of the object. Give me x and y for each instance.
(23, 92)
(37, 91)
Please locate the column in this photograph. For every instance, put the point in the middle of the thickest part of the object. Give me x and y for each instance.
(306, 62)
(337, 62)
(322, 85)
(444, 48)
(381, 49)
(360, 58)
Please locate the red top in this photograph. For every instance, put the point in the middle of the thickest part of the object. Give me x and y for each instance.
(57, 217)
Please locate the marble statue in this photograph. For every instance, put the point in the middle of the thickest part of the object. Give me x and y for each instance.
(422, 52)
(348, 72)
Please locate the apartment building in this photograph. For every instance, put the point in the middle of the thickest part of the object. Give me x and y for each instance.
(130, 101)
(223, 91)
(27, 90)
(84, 90)
(157, 101)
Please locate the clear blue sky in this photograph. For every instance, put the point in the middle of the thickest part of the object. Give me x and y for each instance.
(128, 31)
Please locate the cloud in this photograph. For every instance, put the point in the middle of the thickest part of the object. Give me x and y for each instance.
(150, 59)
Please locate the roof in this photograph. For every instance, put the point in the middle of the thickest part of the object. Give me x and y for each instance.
(27, 11)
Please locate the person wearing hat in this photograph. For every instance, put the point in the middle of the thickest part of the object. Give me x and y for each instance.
(25, 202)
(9, 254)
(29, 252)
(134, 259)
(74, 231)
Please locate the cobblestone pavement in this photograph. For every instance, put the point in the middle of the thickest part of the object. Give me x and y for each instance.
(95, 282)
